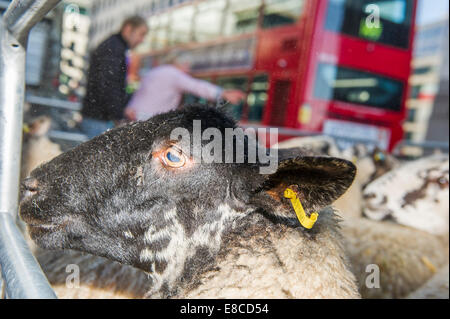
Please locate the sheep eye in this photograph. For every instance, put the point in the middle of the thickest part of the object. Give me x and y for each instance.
(174, 158)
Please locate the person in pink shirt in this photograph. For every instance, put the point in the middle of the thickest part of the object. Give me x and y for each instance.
(162, 90)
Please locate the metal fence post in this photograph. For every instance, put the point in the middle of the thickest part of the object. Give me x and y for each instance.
(12, 88)
(22, 275)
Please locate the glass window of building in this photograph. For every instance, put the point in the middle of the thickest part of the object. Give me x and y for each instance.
(409, 136)
(241, 16)
(358, 87)
(424, 70)
(384, 21)
(181, 26)
(238, 82)
(415, 91)
(153, 26)
(412, 115)
(159, 28)
(208, 20)
(281, 12)
(257, 98)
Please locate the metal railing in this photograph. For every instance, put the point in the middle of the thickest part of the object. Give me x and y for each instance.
(21, 274)
(52, 102)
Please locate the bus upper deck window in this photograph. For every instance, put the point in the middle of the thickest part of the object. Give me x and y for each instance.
(281, 12)
(383, 21)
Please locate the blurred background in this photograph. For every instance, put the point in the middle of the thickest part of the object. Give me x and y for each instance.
(377, 75)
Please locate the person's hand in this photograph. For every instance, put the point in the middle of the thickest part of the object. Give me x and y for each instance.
(233, 96)
(130, 114)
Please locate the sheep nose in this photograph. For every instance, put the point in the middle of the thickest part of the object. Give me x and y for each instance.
(30, 186)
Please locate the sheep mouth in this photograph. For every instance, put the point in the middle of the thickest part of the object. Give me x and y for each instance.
(36, 224)
(44, 234)
(43, 226)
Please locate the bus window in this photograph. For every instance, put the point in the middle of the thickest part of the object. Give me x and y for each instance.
(357, 87)
(257, 98)
(240, 83)
(384, 21)
(281, 12)
(241, 16)
(208, 20)
(181, 27)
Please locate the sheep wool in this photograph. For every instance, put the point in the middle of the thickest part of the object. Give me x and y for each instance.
(406, 257)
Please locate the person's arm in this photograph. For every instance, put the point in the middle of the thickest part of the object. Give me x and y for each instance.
(207, 90)
(201, 88)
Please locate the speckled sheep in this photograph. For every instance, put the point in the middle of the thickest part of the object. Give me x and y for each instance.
(370, 166)
(416, 194)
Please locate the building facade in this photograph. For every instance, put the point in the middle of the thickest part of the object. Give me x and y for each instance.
(86, 23)
(428, 104)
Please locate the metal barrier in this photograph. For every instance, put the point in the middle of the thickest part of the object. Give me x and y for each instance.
(22, 276)
(52, 102)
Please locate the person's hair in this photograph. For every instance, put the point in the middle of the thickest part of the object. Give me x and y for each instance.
(134, 22)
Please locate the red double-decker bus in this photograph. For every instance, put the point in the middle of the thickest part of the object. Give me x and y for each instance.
(338, 67)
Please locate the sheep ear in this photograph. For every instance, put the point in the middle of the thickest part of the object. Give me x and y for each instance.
(318, 180)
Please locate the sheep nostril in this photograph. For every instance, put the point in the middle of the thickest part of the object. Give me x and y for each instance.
(30, 184)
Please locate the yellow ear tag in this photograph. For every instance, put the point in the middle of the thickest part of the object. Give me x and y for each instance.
(26, 128)
(305, 221)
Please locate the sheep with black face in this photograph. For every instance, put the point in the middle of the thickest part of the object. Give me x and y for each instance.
(213, 230)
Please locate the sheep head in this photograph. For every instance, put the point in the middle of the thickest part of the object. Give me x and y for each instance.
(133, 194)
